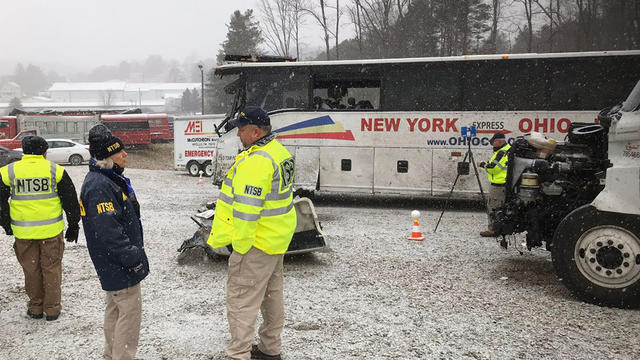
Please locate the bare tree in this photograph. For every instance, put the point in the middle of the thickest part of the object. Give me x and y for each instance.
(281, 21)
(319, 14)
(496, 9)
(297, 15)
(528, 13)
(356, 20)
(337, 28)
(379, 17)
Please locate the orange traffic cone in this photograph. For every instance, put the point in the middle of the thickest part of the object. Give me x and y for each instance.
(201, 180)
(416, 234)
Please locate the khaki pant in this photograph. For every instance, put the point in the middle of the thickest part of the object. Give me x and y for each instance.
(41, 262)
(255, 282)
(495, 198)
(122, 318)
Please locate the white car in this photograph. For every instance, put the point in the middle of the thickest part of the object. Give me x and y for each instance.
(65, 151)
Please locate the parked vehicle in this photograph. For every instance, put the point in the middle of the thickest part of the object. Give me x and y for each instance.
(16, 141)
(194, 143)
(392, 126)
(7, 156)
(65, 151)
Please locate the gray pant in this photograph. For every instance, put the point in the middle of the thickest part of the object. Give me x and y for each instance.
(495, 198)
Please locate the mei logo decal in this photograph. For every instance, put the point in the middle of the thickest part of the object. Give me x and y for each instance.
(286, 168)
(113, 147)
(252, 190)
(33, 185)
(105, 207)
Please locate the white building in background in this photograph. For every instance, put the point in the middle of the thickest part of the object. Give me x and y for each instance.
(10, 90)
(150, 97)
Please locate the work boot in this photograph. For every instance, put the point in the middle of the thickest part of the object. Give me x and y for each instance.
(52, 317)
(257, 354)
(34, 315)
(487, 233)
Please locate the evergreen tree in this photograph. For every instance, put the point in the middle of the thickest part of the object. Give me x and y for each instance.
(243, 35)
(243, 38)
(15, 103)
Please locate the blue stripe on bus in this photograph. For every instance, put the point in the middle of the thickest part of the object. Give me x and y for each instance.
(322, 120)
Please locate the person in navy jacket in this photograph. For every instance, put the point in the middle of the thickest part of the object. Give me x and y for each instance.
(111, 221)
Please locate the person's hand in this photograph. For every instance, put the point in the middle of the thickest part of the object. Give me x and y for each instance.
(8, 230)
(72, 234)
(482, 164)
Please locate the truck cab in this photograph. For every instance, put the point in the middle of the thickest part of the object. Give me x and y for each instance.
(16, 142)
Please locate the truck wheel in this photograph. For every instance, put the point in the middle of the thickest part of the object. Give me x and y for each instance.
(193, 167)
(208, 169)
(75, 159)
(596, 254)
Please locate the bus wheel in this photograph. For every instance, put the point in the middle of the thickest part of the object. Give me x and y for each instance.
(596, 254)
(193, 167)
(208, 169)
(75, 159)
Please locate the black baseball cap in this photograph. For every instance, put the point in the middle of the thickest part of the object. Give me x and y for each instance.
(495, 136)
(251, 115)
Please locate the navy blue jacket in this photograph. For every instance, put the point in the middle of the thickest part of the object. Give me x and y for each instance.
(112, 227)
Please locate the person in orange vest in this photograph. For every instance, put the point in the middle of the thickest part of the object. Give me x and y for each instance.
(39, 191)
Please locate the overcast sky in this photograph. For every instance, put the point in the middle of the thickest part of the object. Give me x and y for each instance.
(104, 32)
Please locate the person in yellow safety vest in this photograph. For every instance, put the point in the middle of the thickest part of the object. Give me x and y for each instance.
(39, 190)
(496, 169)
(255, 215)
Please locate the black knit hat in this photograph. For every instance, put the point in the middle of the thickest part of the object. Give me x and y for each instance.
(34, 145)
(102, 143)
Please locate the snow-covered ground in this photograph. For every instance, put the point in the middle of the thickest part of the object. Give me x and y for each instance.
(375, 295)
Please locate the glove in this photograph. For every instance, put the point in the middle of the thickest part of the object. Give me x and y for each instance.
(137, 269)
(482, 164)
(72, 234)
(8, 230)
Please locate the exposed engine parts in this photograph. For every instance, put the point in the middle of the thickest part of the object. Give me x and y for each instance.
(547, 180)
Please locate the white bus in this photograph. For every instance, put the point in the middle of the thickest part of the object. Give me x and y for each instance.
(393, 126)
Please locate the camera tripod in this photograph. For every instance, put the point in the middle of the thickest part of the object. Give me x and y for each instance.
(463, 169)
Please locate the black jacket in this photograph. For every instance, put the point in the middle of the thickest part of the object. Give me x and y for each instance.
(112, 227)
(66, 193)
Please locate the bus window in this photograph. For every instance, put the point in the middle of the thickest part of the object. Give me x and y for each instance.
(344, 92)
(422, 87)
(498, 86)
(277, 89)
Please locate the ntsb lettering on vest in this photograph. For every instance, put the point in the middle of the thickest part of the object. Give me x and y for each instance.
(32, 185)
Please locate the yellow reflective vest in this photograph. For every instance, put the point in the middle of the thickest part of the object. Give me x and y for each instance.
(497, 166)
(35, 208)
(255, 207)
